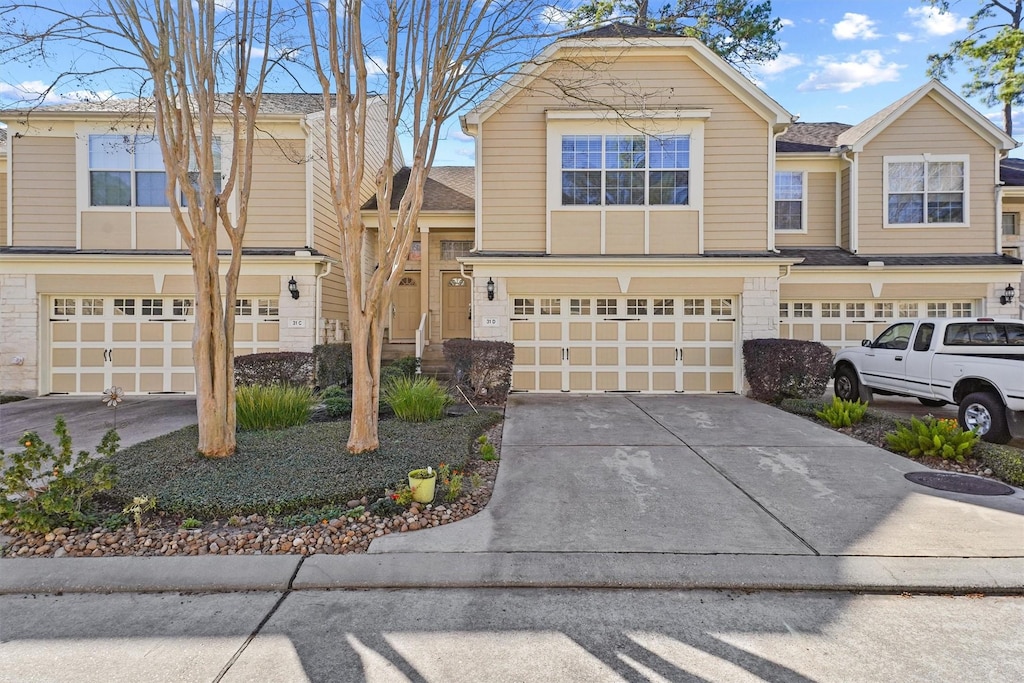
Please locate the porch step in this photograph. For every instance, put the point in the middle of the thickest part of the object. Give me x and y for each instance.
(432, 363)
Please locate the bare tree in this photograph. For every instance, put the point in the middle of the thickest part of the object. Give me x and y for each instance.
(433, 57)
(206, 75)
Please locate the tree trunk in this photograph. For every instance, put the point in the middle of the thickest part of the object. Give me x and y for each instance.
(1008, 119)
(214, 362)
(362, 436)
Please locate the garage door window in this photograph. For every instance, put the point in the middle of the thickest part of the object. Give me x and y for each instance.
(579, 306)
(607, 307)
(124, 306)
(92, 306)
(664, 306)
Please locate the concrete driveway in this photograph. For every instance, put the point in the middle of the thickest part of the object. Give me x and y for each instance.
(710, 475)
(139, 418)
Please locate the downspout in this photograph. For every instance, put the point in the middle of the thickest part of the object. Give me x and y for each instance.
(319, 299)
(778, 280)
(472, 298)
(852, 161)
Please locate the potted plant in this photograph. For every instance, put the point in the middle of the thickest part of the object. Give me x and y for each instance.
(421, 482)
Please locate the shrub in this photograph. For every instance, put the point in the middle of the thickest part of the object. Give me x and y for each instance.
(272, 407)
(42, 489)
(333, 364)
(404, 367)
(282, 368)
(841, 413)
(482, 369)
(334, 391)
(340, 406)
(416, 399)
(786, 368)
(1006, 462)
(931, 437)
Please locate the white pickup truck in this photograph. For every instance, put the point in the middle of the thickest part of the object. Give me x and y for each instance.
(975, 363)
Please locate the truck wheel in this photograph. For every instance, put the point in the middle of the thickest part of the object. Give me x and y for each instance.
(846, 385)
(985, 413)
(932, 402)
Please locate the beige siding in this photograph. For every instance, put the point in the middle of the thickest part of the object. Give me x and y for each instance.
(821, 214)
(106, 230)
(43, 193)
(927, 128)
(513, 157)
(573, 232)
(3, 209)
(159, 231)
(277, 202)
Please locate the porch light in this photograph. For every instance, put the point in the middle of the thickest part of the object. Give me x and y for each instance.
(1007, 296)
(293, 287)
(490, 289)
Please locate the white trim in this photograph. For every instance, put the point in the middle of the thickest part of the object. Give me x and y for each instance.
(310, 227)
(926, 159)
(803, 203)
(855, 203)
(478, 172)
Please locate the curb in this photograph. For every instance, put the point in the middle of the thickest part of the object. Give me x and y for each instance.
(874, 574)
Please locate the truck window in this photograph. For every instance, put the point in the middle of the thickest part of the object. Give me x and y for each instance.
(923, 341)
(984, 334)
(896, 337)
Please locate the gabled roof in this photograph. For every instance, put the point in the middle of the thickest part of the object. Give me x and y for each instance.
(865, 131)
(448, 188)
(810, 137)
(834, 256)
(1011, 172)
(635, 39)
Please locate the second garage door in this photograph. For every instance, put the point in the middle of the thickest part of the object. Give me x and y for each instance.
(648, 344)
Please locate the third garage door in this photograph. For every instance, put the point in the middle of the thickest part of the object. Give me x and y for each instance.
(648, 344)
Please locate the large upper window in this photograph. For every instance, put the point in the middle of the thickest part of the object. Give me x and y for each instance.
(128, 170)
(789, 200)
(634, 170)
(926, 192)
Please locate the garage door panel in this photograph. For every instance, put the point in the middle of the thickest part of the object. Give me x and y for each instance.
(181, 332)
(92, 332)
(668, 345)
(243, 333)
(64, 332)
(124, 332)
(151, 358)
(65, 358)
(64, 383)
(267, 332)
(150, 381)
(181, 358)
(91, 382)
(125, 380)
(181, 381)
(123, 358)
(92, 358)
(151, 332)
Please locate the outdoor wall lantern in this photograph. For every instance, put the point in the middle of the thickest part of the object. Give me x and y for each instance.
(490, 289)
(293, 287)
(1007, 297)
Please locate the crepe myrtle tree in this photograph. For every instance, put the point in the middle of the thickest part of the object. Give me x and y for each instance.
(420, 62)
(196, 70)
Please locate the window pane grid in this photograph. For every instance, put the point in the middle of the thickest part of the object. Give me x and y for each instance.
(522, 307)
(693, 306)
(664, 306)
(579, 306)
(152, 307)
(803, 310)
(243, 307)
(926, 192)
(550, 306)
(636, 306)
(721, 307)
(182, 307)
(267, 307)
(610, 170)
(607, 307)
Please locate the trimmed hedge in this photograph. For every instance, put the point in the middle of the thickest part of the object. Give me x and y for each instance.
(281, 368)
(333, 365)
(285, 471)
(786, 368)
(482, 369)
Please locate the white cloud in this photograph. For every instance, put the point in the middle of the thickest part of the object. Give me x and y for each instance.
(855, 26)
(936, 23)
(778, 65)
(29, 90)
(786, 22)
(904, 37)
(865, 68)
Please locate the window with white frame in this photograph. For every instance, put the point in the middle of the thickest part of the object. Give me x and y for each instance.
(803, 310)
(579, 306)
(1010, 226)
(634, 170)
(267, 307)
(789, 200)
(453, 249)
(926, 191)
(830, 309)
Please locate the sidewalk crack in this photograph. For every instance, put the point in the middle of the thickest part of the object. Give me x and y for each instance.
(259, 627)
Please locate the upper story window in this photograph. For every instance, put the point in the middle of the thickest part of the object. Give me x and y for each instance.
(1010, 226)
(128, 170)
(928, 191)
(634, 170)
(789, 200)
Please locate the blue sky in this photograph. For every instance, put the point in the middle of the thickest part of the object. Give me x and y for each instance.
(840, 61)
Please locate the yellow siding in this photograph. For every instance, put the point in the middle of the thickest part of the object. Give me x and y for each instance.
(821, 215)
(159, 231)
(43, 193)
(277, 202)
(927, 128)
(3, 209)
(574, 232)
(513, 157)
(106, 230)
(844, 209)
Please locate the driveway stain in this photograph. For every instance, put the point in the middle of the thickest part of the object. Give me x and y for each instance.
(780, 463)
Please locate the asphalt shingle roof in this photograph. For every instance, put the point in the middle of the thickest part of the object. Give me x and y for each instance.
(840, 257)
(448, 188)
(621, 30)
(273, 103)
(810, 137)
(1011, 172)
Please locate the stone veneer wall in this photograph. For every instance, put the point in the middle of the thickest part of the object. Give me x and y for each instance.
(484, 309)
(304, 309)
(759, 313)
(19, 335)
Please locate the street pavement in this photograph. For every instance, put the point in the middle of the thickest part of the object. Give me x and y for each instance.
(628, 538)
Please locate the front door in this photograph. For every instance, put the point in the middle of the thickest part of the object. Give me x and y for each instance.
(405, 318)
(455, 310)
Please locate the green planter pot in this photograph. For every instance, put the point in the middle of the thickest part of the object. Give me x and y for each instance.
(422, 485)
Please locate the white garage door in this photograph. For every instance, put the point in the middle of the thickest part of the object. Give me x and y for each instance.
(142, 344)
(652, 344)
(839, 324)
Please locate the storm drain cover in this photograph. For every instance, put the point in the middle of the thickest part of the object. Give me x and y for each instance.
(959, 483)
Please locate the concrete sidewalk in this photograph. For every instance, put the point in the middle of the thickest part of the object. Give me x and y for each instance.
(645, 492)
